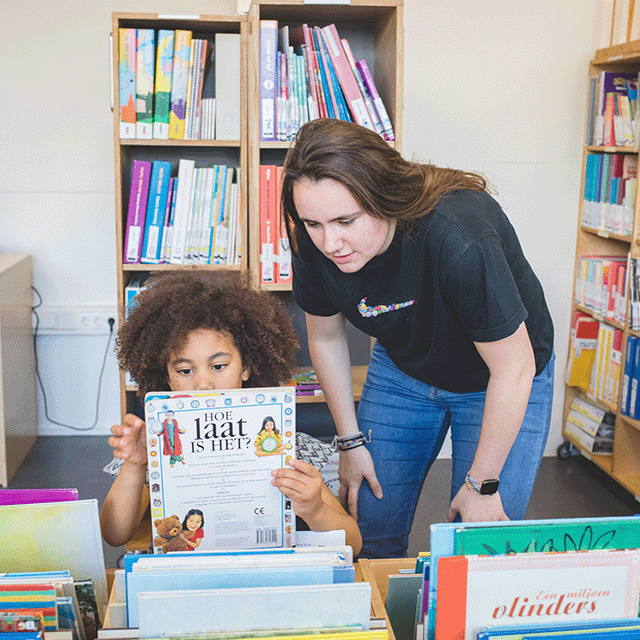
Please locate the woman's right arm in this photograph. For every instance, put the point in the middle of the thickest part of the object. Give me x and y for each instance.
(330, 357)
(128, 497)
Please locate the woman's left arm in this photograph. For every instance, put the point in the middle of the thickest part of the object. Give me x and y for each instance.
(511, 366)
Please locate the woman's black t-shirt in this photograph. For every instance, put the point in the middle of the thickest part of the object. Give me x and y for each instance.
(456, 276)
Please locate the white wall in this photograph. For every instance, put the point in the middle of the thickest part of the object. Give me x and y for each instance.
(497, 86)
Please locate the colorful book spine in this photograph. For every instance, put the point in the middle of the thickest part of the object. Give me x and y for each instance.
(377, 100)
(164, 74)
(345, 77)
(156, 212)
(181, 57)
(138, 195)
(186, 169)
(284, 273)
(145, 67)
(267, 227)
(268, 49)
(127, 82)
(327, 88)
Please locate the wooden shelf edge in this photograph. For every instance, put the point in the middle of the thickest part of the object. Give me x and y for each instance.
(604, 462)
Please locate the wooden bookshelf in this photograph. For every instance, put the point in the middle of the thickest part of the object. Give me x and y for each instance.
(624, 464)
(204, 152)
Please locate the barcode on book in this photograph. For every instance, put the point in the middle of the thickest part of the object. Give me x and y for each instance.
(266, 535)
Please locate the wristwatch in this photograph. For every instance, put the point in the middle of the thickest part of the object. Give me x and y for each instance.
(484, 488)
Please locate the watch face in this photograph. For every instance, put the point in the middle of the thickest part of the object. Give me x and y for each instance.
(489, 487)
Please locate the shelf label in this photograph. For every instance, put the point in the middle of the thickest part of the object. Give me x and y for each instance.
(603, 234)
(168, 16)
(327, 1)
(620, 56)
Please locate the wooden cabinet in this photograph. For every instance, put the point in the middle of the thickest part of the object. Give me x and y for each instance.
(203, 152)
(597, 240)
(18, 424)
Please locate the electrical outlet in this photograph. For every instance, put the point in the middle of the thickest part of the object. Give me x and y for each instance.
(89, 320)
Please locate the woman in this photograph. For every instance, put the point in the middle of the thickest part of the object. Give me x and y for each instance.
(423, 259)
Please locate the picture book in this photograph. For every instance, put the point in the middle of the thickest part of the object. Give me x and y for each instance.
(145, 74)
(519, 631)
(210, 460)
(127, 87)
(164, 74)
(549, 587)
(287, 607)
(55, 536)
(504, 537)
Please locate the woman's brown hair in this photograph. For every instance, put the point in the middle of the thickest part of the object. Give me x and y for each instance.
(381, 181)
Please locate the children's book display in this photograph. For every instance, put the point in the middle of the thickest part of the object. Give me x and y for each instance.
(53, 579)
(533, 575)
(210, 459)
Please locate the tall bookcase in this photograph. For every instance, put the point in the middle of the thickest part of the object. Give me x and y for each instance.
(624, 465)
(203, 152)
(375, 31)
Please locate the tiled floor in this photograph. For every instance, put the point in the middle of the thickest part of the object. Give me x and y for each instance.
(564, 488)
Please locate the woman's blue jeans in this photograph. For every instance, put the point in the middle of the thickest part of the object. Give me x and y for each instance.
(409, 420)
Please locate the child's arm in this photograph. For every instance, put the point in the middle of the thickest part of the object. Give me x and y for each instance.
(312, 500)
(128, 497)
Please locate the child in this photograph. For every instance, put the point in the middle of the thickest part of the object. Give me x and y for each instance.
(194, 331)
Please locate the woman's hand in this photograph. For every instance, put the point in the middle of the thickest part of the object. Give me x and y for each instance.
(474, 507)
(356, 464)
(128, 440)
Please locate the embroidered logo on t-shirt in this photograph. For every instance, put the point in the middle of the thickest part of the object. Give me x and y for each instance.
(368, 312)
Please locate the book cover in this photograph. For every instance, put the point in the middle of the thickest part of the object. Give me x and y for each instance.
(31, 597)
(632, 343)
(345, 76)
(227, 61)
(279, 607)
(89, 614)
(212, 452)
(145, 72)
(267, 225)
(164, 74)
(443, 541)
(179, 80)
(138, 196)
(156, 211)
(268, 50)
(534, 587)
(127, 82)
(30, 496)
(519, 631)
(183, 579)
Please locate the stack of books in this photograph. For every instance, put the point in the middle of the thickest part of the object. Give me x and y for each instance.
(192, 218)
(534, 579)
(53, 581)
(310, 72)
(306, 383)
(168, 87)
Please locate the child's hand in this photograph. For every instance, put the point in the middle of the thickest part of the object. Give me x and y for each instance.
(303, 485)
(128, 440)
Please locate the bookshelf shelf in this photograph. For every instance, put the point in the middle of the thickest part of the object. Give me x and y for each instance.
(624, 464)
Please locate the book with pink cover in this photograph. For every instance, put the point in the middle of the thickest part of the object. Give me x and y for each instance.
(475, 591)
(33, 496)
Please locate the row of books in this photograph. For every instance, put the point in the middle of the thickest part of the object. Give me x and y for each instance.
(612, 118)
(292, 592)
(53, 581)
(601, 286)
(595, 358)
(275, 252)
(565, 578)
(591, 426)
(172, 85)
(192, 218)
(306, 383)
(310, 72)
(610, 192)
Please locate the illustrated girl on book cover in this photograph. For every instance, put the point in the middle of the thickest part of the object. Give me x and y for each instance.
(192, 528)
(171, 444)
(268, 442)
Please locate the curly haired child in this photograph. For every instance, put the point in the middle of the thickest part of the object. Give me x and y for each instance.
(201, 331)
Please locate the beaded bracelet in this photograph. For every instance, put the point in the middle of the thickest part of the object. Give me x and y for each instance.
(351, 441)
